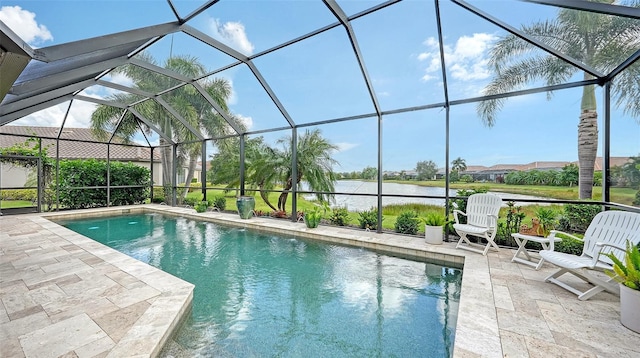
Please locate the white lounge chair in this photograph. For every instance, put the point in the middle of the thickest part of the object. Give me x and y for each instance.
(608, 232)
(482, 221)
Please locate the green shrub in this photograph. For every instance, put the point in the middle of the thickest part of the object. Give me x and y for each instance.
(219, 202)
(191, 201)
(636, 201)
(122, 174)
(569, 245)
(158, 194)
(202, 206)
(368, 219)
(577, 217)
(339, 216)
(312, 217)
(511, 225)
(93, 173)
(19, 194)
(407, 223)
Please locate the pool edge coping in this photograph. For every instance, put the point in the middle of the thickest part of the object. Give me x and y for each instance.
(166, 312)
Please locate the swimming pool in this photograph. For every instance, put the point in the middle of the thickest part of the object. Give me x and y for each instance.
(261, 295)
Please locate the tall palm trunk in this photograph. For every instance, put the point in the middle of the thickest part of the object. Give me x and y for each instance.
(587, 151)
(192, 168)
(167, 160)
(587, 140)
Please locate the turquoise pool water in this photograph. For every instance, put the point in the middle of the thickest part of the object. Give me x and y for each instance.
(261, 295)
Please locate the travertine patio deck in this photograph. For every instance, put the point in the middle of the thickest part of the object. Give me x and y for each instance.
(64, 295)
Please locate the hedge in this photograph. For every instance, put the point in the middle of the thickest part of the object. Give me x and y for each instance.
(92, 173)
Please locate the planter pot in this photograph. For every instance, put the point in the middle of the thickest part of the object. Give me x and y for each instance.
(630, 308)
(246, 204)
(433, 234)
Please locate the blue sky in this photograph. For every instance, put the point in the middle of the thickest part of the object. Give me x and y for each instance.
(318, 79)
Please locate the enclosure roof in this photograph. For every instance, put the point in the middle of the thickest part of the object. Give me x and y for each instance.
(33, 79)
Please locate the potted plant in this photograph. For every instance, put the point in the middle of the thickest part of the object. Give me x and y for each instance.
(627, 273)
(547, 219)
(434, 223)
(312, 218)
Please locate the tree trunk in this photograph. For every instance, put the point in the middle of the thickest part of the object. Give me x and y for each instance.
(282, 199)
(265, 197)
(192, 169)
(587, 151)
(167, 180)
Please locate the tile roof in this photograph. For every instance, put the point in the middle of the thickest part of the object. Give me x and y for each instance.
(75, 147)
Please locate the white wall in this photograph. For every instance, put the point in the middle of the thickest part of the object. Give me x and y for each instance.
(13, 176)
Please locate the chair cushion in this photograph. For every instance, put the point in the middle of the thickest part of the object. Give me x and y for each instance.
(570, 261)
(470, 229)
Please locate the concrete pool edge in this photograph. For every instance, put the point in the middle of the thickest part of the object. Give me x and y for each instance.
(477, 332)
(162, 318)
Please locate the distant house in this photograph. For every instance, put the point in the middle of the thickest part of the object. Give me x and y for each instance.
(495, 172)
(75, 143)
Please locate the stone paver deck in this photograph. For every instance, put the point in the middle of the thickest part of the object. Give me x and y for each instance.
(62, 294)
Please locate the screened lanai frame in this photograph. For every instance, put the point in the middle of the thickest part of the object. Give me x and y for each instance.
(61, 72)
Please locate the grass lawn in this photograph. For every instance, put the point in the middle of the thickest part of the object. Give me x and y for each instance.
(618, 195)
(10, 204)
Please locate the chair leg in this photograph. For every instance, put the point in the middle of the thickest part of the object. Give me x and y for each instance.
(493, 244)
(463, 239)
(599, 285)
(465, 244)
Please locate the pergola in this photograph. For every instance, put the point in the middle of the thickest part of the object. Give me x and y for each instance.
(33, 79)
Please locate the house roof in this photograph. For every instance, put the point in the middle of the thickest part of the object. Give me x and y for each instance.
(613, 162)
(76, 143)
(539, 165)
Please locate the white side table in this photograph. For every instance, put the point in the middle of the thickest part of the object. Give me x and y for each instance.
(522, 240)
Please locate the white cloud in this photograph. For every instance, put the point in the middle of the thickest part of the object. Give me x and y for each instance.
(466, 60)
(24, 24)
(79, 116)
(428, 77)
(344, 146)
(232, 34)
(121, 79)
(246, 120)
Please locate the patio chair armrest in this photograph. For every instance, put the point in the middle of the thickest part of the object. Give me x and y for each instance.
(456, 213)
(493, 221)
(553, 233)
(600, 247)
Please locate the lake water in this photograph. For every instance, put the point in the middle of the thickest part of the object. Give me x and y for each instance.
(360, 203)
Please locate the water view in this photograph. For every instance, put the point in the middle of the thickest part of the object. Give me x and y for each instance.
(260, 295)
(360, 203)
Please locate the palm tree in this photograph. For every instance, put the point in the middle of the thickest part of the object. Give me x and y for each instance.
(264, 166)
(597, 40)
(314, 165)
(459, 165)
(186, 100)
(267, 167)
